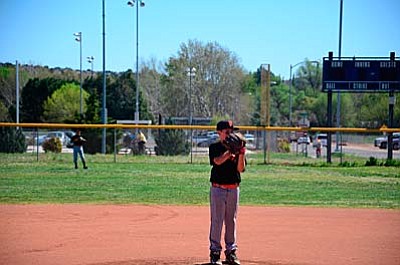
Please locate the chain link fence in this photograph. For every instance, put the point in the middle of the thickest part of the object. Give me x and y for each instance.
(193, 142)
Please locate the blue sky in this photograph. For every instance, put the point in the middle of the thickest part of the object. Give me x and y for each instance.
(278, 32)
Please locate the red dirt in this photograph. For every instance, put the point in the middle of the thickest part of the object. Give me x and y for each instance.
(133, 234)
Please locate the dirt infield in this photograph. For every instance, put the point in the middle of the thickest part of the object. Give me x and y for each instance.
(134, 234)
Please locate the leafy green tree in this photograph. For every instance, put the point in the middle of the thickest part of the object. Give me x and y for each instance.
(7, 88)
(279, 104)
(34, 94)
(347, 111)
(309, 78)
(374, 110)
(121, 97)
(319, 110)
(94, 136)
(92, 114)
(279, 100)
(306, 94)
(7, 85)
(64, 103)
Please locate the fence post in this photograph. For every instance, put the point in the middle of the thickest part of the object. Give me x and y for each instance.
(115, 145)
(37, 144)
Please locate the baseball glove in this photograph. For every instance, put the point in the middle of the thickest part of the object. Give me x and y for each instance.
(235, 142)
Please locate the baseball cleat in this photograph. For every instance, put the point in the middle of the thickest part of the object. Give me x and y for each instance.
(231, 257)
(215, 258)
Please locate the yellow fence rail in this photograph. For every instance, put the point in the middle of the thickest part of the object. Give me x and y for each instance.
(383, 129)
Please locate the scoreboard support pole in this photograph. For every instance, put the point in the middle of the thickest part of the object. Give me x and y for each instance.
(390, 123)
(392, 100)
(330, 122)
(329, 134)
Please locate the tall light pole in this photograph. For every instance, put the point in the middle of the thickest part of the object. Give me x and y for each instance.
(104, 109)
(78, 38)
(132, 4)
(190, 72)
(265, 118)
(17, 90)
(338, 93)
(290, 87)
(90, 60)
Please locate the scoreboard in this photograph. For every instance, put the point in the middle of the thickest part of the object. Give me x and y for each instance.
(360, 75)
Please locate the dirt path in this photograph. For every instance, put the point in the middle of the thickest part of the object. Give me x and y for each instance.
(134, 234)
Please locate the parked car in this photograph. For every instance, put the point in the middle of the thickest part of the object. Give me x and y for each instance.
(304, 140)
(292, 137)
(382, 142)
(249, 137)
(63, 136)
(39, 140)
(295, 135)
(323, 137)
(204, 138)
(207, 142)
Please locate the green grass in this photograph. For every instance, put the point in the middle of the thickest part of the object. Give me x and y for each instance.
(289, 180)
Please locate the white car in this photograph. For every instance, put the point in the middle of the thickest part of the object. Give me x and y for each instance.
(207, 142)
(205, 139)
(39, 140)
(382, 142)
(323, 137)
(304, 140)
(63, 136)
(249, 137)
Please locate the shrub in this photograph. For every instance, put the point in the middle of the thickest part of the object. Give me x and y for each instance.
(52, 145)
(12, 140)
(392, 163)
(283, 146)
(171, 142)
(372, 161)
(348, 164)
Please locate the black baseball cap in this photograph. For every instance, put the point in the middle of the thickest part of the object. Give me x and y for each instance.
(225, 125)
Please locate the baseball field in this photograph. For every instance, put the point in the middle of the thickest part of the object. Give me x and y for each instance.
(154, 210)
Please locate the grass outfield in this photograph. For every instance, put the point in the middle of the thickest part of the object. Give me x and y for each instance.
(289, 180)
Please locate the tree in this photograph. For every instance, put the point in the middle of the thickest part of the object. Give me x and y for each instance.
(7, 85)
(306, 91)
(374, 110)
(216, 87)
(309, 78)
(34, 94)
(12, 140)
(4, 116)
(120, 95)
(279, 94)
(150, 80)
(279, 100)
(319, 111)
(64, 104)
(171, 142)
(92, 114)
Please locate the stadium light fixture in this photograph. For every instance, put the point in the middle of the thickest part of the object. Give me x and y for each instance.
(78, 38)
(132, 4)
